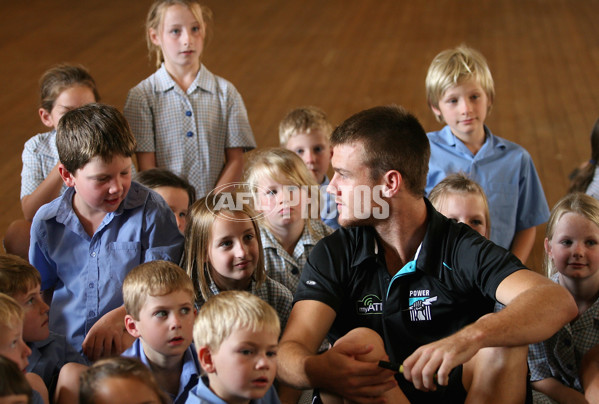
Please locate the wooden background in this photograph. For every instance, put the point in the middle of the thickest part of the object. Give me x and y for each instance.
(341, 55)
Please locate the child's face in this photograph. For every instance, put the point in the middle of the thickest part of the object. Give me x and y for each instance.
(574, 248)
(165, 325)
(35, 324)
(124, 390)
(178, 200)
(13, 347)
(282, 203)
(233, 250)
(244, 367)
(314, 150)
(181, 38)
(100, 186)
(69, 99)
(464, 108)
(466, 208)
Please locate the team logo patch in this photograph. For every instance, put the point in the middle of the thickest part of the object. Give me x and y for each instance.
(420, 305)
(370, 304)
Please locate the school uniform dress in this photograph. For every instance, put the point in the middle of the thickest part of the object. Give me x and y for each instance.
(39, 157)
(87, 273)
(450, 283)
(506, 173)
(201, 394)
(189, 130)
(190, 371)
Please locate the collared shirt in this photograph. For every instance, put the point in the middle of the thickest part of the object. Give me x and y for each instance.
(39, 157)
(593, 188)
(271, 291)
(450, 284)
(506, 173)
(328, 212)
(189, 130)
(190, 371)
(280, 265)
(560, 356)
(87, 273)
(201, 394)
(49, 356)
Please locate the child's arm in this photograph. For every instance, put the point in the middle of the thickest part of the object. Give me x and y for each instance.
(233, 169)
(523, 242)
(558, 392)
(47, 191)
(108, 336)
(38, 385)
(146, 160)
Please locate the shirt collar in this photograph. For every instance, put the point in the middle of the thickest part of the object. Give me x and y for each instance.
(204, 80)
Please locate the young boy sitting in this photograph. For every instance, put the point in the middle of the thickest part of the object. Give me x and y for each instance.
(306, 131)
(159, 299)
(14, 348)
(49, 351)
(84, 242)
(460, 92)
(236, 335)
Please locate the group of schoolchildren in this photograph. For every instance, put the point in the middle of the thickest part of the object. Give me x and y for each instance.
(194, 294)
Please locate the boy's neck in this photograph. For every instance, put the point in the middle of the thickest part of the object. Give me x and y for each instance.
(167, 371)
(473, 141)
(89, 220)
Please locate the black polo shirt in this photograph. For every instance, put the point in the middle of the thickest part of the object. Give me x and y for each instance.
(451, 284)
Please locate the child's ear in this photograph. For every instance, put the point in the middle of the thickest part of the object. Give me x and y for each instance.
(547, 247)
(154, 36)
(66, 176)
(436, 111)
(131, 326)
(205, 358)
(46, 117)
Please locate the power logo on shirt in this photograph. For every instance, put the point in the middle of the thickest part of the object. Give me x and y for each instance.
(370, 304)
(420, 305)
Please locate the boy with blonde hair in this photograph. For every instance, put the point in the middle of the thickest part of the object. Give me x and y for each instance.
(306, 131)
(236, 335)
(460, 92)
(49, 351)
(87, 240)
(14, 348)
(159, 299)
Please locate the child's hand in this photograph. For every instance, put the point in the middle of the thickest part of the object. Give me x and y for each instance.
(104, 339)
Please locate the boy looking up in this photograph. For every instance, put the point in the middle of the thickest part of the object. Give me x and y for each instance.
(84, 242)
(236, 335)
(159, 300)
(306, 131)
(460, 92)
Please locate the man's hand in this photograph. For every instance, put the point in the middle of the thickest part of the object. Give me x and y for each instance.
(104, 339)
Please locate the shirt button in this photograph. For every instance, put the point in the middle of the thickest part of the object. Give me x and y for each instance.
(295, 271)
(92, 313)
(93, 254)
(189, 134)
(188, 113)
(91, 285)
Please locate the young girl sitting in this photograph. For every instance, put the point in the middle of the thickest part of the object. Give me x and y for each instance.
(287, 195)
(223, 252)
(558, 365)
(185, 118)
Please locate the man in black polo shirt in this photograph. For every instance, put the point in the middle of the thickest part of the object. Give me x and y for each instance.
(425, 283)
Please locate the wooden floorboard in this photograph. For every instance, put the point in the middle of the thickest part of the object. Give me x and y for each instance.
(343, 56)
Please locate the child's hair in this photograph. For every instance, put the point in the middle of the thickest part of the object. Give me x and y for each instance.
(11, 312)
(155, 19)
(154, 278)
(452, 66)
(12, 380)
(284, 166)
(583, 177)
(92, 130)
(162, 177)
(458, 183)
(304, 120)
(228, 311)
(17, 275)
(198, 233)
(60, 77)
(576, 202)
(117, 367)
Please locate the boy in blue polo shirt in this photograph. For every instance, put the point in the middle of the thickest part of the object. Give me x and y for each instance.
(85, 242)
(460, 92)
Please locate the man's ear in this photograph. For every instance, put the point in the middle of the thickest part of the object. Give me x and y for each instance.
(392, 183)
(131, 326)
(205, 358)
(67, 177)
(46, 117)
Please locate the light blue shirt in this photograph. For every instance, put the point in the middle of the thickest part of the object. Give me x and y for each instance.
(201, 394)
(506, 173)
(189, 372)
(87, 273)
(328, 211)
